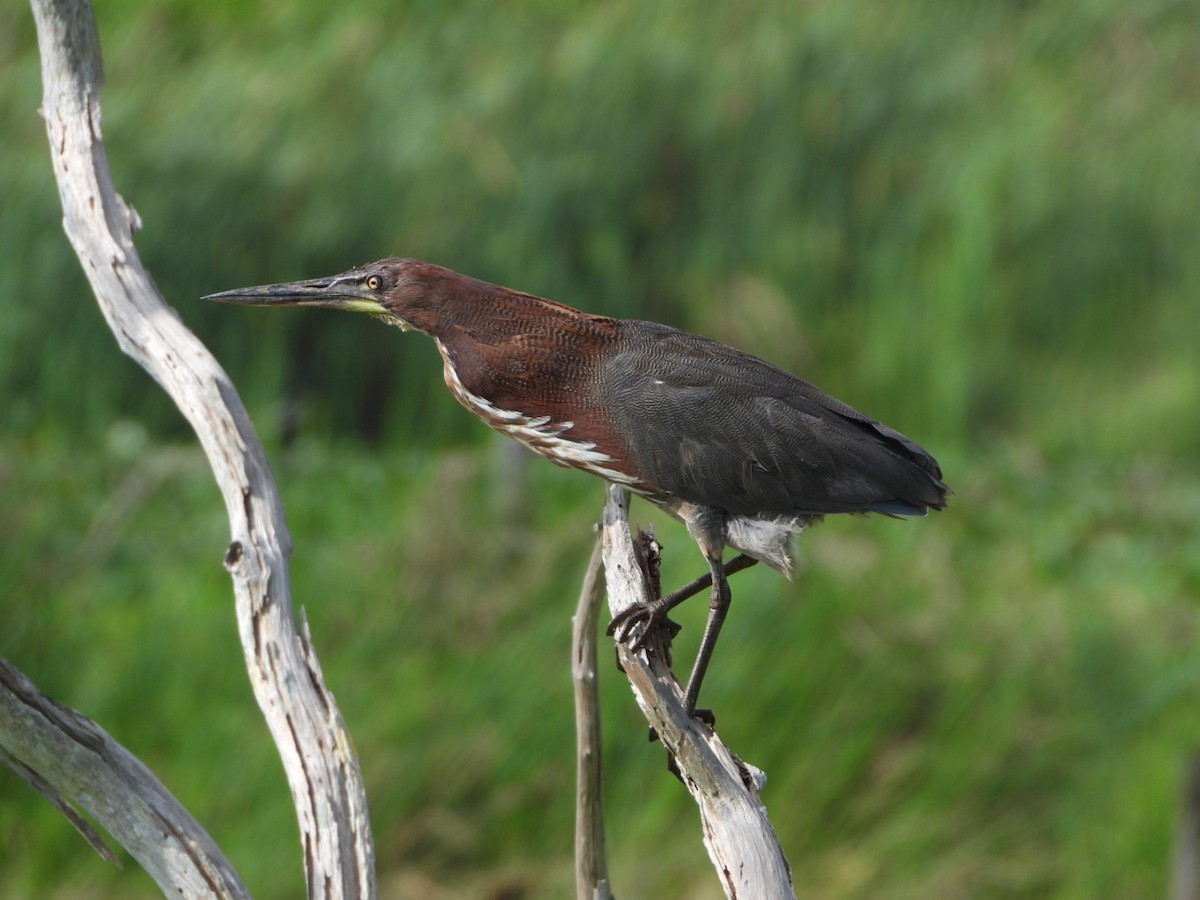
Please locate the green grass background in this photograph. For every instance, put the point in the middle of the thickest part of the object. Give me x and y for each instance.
(976, 222)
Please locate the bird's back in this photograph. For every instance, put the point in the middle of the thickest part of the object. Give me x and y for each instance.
(720, 428)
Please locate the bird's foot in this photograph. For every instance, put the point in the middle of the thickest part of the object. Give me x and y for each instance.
(653, 612)
(645, 623)
(651, 615)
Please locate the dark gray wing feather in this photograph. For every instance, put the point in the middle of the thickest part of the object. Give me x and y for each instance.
(721, 428)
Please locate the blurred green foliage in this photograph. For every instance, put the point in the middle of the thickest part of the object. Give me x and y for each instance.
(975, 221)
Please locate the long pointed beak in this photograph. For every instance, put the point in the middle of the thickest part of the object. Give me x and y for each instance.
(337, 292)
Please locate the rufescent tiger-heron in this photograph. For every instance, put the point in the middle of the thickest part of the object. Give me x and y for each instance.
(743, 453)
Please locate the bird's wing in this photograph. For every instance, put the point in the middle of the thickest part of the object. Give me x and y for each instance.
(719, 427)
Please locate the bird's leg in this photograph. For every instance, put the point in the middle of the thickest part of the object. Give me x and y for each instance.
(718, 608)
(692, 588)
(656, 610)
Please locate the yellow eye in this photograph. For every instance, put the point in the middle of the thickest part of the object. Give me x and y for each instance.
(374, 282)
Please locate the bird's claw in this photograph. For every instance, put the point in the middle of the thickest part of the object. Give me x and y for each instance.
(651, 618)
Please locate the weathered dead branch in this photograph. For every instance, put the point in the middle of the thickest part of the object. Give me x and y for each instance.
(321, 767)
(591, 865)
(733, 820)
(58, 751)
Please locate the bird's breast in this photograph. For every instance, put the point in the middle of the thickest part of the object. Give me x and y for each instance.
(555, 438)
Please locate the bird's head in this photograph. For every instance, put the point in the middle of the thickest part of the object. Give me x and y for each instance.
(399, 291)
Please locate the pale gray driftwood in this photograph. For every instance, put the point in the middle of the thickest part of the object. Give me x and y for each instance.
(316, 751)
(736, 832)
(59, 751)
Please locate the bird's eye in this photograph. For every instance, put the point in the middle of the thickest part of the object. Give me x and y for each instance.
(374, 282)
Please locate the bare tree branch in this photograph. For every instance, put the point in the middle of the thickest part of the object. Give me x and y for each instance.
(1185, 854)
(591, 865)
(305, 723)
(734, 824)
(57, 750)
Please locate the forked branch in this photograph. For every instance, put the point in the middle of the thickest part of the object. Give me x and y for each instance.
(733, 820)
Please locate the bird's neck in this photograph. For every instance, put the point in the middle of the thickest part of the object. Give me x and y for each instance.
(530, 368)
(503, 329)
(513, 349)
(494, 316)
